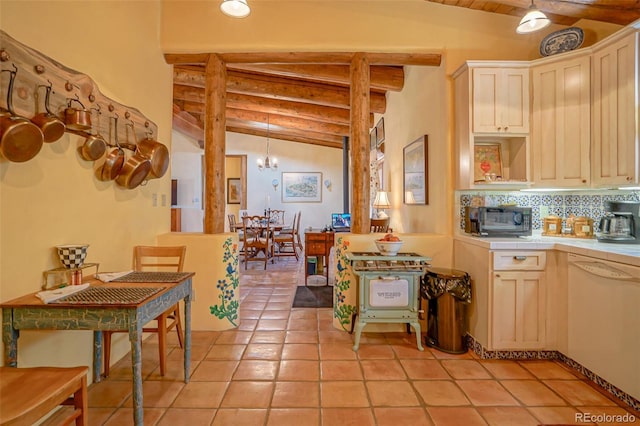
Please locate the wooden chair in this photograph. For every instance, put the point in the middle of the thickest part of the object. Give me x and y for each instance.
(276, 217)
(285, 242)
(257, 238)
(380, 225)
(233, 225)
(28, 394)
(159, 259)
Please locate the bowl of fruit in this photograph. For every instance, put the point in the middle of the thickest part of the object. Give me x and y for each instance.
(389, 245)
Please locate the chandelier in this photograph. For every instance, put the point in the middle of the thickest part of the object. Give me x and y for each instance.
(268, 163)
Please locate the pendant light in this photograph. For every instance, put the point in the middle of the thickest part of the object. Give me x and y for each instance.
(235, 8)
(533, 21)
(267, 163)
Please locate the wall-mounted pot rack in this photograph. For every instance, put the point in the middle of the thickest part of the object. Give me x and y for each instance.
(35, 70)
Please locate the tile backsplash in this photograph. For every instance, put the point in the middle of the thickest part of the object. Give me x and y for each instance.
(563, 204)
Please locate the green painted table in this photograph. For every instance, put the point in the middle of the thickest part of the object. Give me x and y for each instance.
(30, 313)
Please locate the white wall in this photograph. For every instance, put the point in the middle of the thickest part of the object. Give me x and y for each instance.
(292, 157)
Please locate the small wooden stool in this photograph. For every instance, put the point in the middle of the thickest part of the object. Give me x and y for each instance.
(28, 394)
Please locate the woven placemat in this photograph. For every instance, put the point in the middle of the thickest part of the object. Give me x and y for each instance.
(152, 277)
(110, 295)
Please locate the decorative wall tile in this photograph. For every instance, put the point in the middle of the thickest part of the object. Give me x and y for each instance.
(580, 203)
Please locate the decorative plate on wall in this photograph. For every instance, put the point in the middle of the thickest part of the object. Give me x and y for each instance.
(561, 41)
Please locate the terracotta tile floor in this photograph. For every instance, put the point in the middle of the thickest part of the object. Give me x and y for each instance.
(286, 366)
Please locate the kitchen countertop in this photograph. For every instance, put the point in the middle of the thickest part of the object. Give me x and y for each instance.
(623, 253)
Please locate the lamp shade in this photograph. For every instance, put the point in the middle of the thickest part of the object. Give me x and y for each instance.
(533, 21)
(235, 8)
(409, 198)
(382, 200)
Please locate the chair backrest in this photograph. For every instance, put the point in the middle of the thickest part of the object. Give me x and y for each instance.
(232, 222)
(296, 225)
(276, 217)
(380, 225)
(256, 230)
(159, 258)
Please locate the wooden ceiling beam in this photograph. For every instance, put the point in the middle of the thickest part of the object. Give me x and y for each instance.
(275, 122)
(337, 98)
(344, 58)
(307, 137)
(275, 106)
(382, 77)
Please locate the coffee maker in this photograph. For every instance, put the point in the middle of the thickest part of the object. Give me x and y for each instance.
(621, 223)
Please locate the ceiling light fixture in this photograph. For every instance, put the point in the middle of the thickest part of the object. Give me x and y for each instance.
(268, 163)
(235, 8)
(533, 21)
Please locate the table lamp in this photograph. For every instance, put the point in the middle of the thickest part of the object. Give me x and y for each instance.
(382, 202)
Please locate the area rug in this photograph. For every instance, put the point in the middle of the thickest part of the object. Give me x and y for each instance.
(313, 297)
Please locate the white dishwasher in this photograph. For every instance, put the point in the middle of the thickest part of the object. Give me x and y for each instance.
(604, 320)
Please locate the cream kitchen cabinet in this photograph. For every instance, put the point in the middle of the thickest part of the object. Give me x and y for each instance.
(509, 306)
(560, 133)
(500, 100)
(615, 151)
(492, 108)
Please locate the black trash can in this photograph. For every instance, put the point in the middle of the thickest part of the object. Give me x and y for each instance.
(448, 292)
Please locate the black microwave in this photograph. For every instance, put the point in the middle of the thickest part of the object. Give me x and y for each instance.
(502, 221)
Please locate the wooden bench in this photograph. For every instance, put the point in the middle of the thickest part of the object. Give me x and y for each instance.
(28, 394)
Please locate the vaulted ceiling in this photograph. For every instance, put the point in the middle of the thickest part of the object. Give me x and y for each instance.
(305, 97)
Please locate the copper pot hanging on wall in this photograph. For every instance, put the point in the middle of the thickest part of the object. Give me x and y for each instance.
(75, 118)
(20, 139)
(52, 127)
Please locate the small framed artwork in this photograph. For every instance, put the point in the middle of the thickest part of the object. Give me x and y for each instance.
(487, 159)
(416, 171)
(234, 191)
(301, 187)
(380, 131)
(372, 139)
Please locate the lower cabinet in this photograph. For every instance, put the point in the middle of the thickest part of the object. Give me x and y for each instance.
(518, 315)
(517, 302)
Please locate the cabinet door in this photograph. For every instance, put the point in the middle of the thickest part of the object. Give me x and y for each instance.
(500, 100)
(561, 123)
(615, 140)
(518, 314)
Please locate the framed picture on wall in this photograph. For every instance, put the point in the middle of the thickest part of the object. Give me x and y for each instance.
(487, 159)
(372, 139)
(301, 187)
(380, 132)
(416, 171)
(234, 190)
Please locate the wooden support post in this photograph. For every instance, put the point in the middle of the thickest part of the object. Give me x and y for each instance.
(360, 143)
(214, 144)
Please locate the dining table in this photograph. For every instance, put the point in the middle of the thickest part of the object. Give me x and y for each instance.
(126, 303)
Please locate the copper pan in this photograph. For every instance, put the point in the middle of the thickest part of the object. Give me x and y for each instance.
(135, 170)
(115, 159)
(94, 145)
(52, 127)
(157, 153)
(75, 118)
(20, 139)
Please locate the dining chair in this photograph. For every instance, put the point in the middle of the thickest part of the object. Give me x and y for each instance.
(257, 238)
(276, 217)
(233, 225)
(157, 258)
(285, 242)
(380, 225)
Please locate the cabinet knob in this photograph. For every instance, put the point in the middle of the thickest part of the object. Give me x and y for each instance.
(499, 128)
(497, 275)
(519, 257)
(584, 181)
(506, 128)
(628, 178)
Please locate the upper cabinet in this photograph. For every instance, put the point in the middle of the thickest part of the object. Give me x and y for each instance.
(500, 100)
(560, 130)
(492, 124)
(615, 143)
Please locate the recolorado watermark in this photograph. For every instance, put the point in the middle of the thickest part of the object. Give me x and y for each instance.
(605, 418)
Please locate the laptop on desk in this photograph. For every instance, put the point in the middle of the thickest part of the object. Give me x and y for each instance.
(341, 222)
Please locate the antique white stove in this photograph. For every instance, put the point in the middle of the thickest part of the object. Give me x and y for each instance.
(388, 290)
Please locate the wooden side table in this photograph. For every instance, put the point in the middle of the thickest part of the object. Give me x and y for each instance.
(317, 243)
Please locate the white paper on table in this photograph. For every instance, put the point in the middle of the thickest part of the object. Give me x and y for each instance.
(58, 293)
(110, 276)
